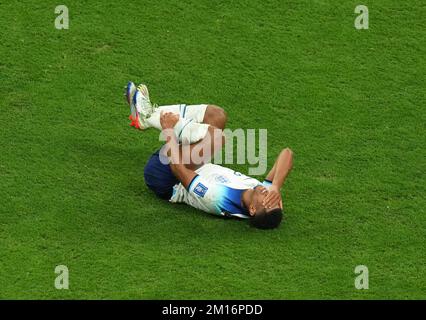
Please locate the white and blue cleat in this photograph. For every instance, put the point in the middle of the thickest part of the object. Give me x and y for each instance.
(130, 94)
(140, 105)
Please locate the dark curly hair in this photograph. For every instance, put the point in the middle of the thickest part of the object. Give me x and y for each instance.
(267, 219)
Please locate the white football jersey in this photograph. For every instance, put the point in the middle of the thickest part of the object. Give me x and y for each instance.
(216, 190)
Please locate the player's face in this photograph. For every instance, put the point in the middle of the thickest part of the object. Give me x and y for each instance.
(259, 195)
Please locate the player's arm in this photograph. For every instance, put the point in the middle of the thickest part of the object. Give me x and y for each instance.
(277, 176)
(203, 151)
(181, 172)
(281, 168)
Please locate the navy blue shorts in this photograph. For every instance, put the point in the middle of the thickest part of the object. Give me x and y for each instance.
(159, 177)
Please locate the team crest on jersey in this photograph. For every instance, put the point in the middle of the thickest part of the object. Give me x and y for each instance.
(200, 190)
(222, 179)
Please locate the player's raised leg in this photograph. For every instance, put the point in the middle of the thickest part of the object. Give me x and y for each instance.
(194, 119)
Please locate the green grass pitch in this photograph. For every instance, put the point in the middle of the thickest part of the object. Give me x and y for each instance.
(350, 103)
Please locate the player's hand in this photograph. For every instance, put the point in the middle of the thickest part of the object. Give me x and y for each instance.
(168, 120)
(273, 198)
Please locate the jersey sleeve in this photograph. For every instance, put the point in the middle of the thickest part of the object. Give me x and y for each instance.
(199, 187)
(267, 183)
(206, 195)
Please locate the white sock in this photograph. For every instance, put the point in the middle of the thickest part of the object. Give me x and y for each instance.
(189, 128)
(194, 112)
(188, 131)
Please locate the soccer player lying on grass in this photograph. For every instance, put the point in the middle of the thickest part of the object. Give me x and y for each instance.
(180, 171)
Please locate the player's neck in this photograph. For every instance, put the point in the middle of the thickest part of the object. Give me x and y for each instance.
(245, 198)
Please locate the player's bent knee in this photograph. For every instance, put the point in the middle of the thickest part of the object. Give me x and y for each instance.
(216, 116)
(223, 117)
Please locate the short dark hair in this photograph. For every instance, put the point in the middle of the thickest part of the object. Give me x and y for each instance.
(267, 219)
